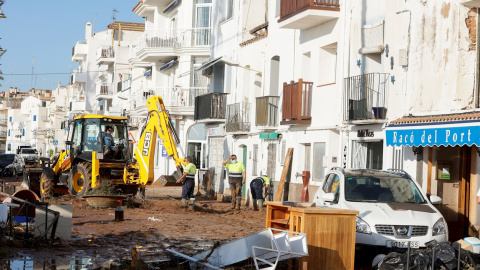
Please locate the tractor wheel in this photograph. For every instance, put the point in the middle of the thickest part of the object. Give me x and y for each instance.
(46, 186)
(79, 185)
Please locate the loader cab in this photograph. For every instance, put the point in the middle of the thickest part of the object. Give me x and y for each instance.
(87, 135)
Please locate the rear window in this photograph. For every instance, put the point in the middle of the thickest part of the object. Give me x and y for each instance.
(29, 151)
(7, 158)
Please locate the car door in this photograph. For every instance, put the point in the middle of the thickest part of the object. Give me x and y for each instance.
(330, 185)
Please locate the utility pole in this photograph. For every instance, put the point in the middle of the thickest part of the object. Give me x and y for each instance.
(113, 15)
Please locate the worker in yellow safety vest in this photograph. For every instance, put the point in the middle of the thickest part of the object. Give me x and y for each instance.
(236, 178)
(256, 188)
(188, 182)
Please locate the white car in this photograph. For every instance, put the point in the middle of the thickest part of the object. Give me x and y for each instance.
(393, 210)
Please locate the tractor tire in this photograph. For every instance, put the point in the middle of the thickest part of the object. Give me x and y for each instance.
(80, 183)
(46, 186)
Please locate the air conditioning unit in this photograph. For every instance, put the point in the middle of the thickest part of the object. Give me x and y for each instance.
(208, 71)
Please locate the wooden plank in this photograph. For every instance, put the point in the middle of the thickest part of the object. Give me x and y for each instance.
(286, 167)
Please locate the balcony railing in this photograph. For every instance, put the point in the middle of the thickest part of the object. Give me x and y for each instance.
(297, 103)
(174, 38)
(267, 111)
(141, 97)
(291, 7)
(237, 117)
(181, 96)
(365, 97)
(105, 52)
(105, 90)
(210, 106)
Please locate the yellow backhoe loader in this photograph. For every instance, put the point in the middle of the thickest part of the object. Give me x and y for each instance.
(88, 160)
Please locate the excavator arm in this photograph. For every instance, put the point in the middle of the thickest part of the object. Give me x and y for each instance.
(158, 123)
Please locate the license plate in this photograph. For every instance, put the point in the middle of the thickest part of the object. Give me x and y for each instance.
(403, 244)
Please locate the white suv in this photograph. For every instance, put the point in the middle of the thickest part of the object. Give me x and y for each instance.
(393, 210)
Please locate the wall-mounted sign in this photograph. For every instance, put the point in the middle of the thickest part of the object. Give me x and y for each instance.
(217, 131)
(364, 133)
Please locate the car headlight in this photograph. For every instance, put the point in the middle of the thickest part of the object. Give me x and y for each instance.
(363, 227)
(440, 227)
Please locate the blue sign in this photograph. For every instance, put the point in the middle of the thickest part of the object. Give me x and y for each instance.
(55, 142)
(164, 152)
(425, 135)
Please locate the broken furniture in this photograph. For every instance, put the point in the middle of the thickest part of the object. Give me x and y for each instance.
(330, 233)
(266, 248)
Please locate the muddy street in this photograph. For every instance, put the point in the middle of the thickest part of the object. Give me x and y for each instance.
(151, 226)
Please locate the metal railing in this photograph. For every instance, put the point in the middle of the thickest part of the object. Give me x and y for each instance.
(105, 89)
(297, 102)
(105, 52)
(210, 106)
(237, 117)
(174, 38)
(267, 111)
(365, 97)
(289, 8)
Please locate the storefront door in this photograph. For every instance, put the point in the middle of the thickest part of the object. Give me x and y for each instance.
(451, 178)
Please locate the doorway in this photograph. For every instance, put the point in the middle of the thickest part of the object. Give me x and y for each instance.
(451, 177)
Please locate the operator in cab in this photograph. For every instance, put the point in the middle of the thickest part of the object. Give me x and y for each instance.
(236, 178)
(109, 143)
(256, 188)
(188, 182)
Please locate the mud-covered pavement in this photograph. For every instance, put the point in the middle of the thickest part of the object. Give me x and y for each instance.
(151, 226)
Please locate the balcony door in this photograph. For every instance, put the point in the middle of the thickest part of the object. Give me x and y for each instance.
(203, 22)
(367, 155)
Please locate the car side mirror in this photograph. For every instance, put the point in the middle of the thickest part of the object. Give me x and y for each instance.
(435, 199)
(328, 197)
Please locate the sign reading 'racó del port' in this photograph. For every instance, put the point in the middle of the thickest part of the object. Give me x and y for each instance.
(434, 135)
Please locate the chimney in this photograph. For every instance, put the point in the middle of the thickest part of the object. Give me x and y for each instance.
(88, 30)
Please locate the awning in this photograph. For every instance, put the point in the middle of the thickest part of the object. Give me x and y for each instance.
(269, 136)
(208, 64)
(172, 5)
(167, 65)
(149, 72)
(443, 130)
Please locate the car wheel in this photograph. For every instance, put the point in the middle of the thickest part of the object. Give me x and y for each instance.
(79, 184)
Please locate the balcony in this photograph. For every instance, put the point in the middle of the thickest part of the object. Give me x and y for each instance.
(77, 107)
(267, 112)
(3, 122)
(104, 91)
(304, 14)
(210, 107)
(105, 55)
(166, 43)
(237, 118)
(3, 134)
(181, 96)
(79, 77)
(140, 100)
(365, 98)
(297, 103)
(79, 51)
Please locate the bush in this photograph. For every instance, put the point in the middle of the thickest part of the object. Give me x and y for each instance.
(105, 188)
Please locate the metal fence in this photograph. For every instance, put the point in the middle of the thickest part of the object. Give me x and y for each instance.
(237, 117)
(267, 111)
(210, 106)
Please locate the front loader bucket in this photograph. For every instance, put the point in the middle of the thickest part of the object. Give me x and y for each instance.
(168, 180)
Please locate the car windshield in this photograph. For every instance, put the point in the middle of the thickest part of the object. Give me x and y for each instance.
(28, 151)
(382, 189)
(8, 158)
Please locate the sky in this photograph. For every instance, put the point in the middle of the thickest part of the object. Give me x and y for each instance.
(43, 33)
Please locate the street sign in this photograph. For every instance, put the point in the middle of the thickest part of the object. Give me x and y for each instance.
(55, 142)
(164, 152)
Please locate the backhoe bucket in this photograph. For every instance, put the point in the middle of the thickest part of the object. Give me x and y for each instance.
(168, 180)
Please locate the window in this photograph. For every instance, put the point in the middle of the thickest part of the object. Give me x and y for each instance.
(367, 155)
(92, 135)
(34, 118)
(331, 184)
(227, 11)
(10, 119)
(9, 133)
(278, 6)
(203, 22)
(327, 64)
(9, 147)
(318, 165)
(23, 132)
(255, 159)
(274, 75)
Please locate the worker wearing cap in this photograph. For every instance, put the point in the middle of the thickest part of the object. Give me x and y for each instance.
(256, 188)
(188, 181)
(236, 178)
